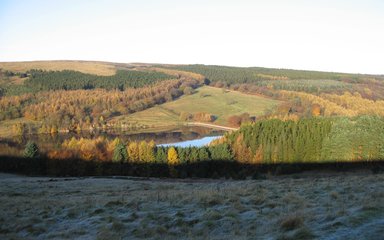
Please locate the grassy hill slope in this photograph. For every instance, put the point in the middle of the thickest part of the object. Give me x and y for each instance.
(212, 100)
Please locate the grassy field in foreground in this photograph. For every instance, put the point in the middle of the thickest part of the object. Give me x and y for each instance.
(97, 68)
(212, 100)
(301, 207)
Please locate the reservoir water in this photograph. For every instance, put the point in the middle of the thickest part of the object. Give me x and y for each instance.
(192, 143)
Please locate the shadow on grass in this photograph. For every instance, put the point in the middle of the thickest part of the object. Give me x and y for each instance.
(204, 169)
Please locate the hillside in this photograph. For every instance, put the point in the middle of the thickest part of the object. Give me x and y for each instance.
(76, 95)
(221, 103)
(274, 116)
(230, 74)
(90, 67)
(268, 81)
(110, 95)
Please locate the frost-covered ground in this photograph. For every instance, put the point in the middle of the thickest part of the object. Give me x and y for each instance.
(320, 206)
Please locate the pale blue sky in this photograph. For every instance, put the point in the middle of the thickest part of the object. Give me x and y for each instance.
(344, 36)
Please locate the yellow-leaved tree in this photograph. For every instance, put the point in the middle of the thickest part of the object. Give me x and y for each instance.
(173, 158)
(133, 152)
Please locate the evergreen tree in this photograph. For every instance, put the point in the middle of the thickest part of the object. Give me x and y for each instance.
(120, 153)
(277, 141)
(203, 154)
(71, 80)
(193, 154)
(220, 152)
(161, 155)
(182, 153)
(31, 150)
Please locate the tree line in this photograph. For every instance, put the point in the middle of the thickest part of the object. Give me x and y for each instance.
(40, 80)
(72, 80)
(265, 146)
(346, 104)
(143, 152)
(314, 139)
(274, 141)
(232, 75)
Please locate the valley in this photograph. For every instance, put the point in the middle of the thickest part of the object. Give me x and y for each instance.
(270, 115)
(222, 120)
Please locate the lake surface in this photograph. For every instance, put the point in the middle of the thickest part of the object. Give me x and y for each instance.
(192, 143)
(184, 136)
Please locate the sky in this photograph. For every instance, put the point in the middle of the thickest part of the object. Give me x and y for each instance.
(339, 35)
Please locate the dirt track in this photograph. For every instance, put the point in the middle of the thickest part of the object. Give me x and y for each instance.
(214, 126)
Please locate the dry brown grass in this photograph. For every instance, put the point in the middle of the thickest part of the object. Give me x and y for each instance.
(97, 68)
(291, 222)
(17, 80)
(180, 73)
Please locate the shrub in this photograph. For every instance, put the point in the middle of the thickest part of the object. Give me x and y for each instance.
(203, 117)
(188, 91)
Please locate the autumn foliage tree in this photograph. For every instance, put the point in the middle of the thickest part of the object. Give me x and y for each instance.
(316, 110)
(237, 120)
(203, 117)
(172, 157)
(146, 151)
(133, 152)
